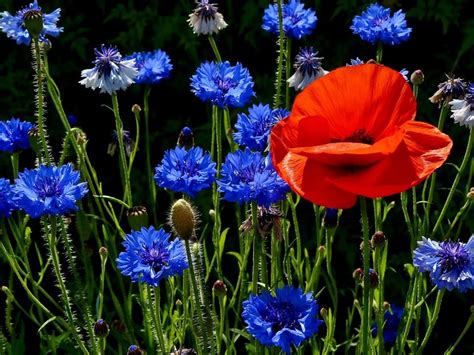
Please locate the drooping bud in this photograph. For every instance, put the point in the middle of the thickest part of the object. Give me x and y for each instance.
(33, 21)
(186, 138)
(101, 328)
(417, 77)
(219, 288)
(137, 217)
(378, 240)
(134, 350)
(183, 219)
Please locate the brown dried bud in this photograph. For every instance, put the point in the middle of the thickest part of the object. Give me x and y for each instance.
(219, 288)
(417, 77)
(378, 240)
(137, 217)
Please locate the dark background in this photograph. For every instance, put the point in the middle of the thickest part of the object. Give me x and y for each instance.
(441, 42)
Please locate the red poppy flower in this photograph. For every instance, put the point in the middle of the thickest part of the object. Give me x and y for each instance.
(352, 133)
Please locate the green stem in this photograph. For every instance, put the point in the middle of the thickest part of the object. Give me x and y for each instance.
(256, 249)
(40, 103)
(463, 333)
(149, 170)
(432, 321)
(299, 247)
(15, 157)
(122, 155)
(366, 290)
(103, 262)
(155, 310)
(214, 48)
(197, 299)
(467, 158)
(378, 55)
(281, 52)
(62, 286)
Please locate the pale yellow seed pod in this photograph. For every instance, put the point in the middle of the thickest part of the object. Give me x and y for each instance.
(183, 219)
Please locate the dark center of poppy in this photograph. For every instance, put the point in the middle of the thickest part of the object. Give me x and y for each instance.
(453, 256)
(154, 256)
(359, 136)
(282, 315)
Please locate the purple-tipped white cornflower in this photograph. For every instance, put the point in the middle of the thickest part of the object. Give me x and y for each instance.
(48, 190)
(451, 89)
(111, 72)
(450, 264)
(152, 66)
(463, 110)
(14, 25)
(375, 25)
(308, 68)
(297, 21)
(205, 19)
(222, 84)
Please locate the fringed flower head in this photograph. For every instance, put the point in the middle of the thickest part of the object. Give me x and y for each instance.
(297, 21)
(253, 130)
(283, 320)
(205, 19)
(222, 84)
(111, 72)
(376, 25)
(14, 135)
(14, 25)
(150, 256)
(451, 89)
(249, 176)
(186, 171)
(48, 190)
(450, 264)
(6, 203)
(308, 68)
(463, 110)
(350, 133)
(152, 66)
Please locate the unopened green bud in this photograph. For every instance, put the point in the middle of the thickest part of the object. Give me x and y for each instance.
(417, 77)
(183, 219)
(33, 21)
(137, 217)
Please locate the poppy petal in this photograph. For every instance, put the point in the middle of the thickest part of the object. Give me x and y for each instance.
(371, 97)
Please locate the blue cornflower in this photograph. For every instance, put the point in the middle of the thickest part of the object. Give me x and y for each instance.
(286, 319)
(149, 256)
(14, 27)
(450, 264)
(6, 203)
(308, 68)
(249, 176)
(152, 66)
(297, 21)
(111, 72)
(355, 61)
(253, 129)
(392, 319)
(223, 84)
(205, 19)
(186, 171)
(463, 110)
(376, 25)
(14, 135)
(48, 190)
